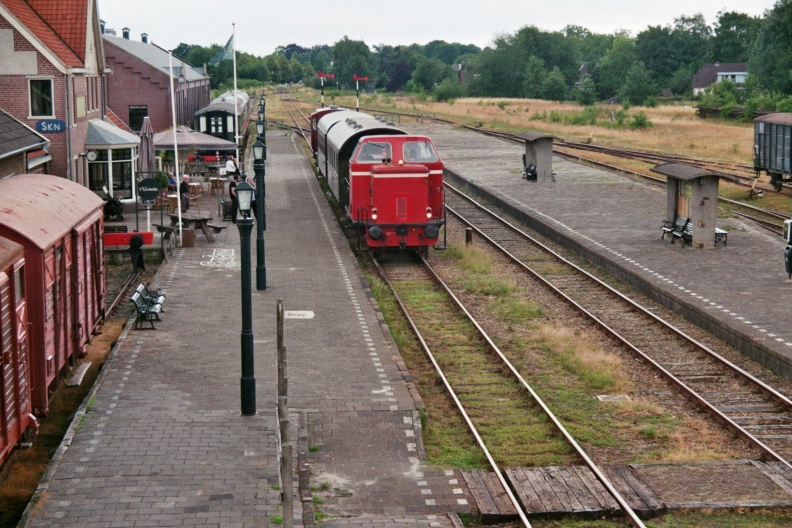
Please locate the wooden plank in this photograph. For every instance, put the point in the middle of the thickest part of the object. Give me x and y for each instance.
(527, 495)
(587, 501)
(646, 494)
(597, 489)
(545, 490)
(484, 502)
(498, 494)
(775, 475)
(568, 499)
(624, 489)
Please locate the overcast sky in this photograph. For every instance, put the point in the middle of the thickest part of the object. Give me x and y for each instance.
(262, 26)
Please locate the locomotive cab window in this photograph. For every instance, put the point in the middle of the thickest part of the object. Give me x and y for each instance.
(419, 151)
(374, 153)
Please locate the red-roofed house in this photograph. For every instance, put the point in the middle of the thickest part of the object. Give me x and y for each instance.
(52, 77)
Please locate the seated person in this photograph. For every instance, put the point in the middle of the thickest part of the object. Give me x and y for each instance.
(374, 153)
(171, 182)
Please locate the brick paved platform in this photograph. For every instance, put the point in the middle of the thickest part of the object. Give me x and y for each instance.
(162, 442)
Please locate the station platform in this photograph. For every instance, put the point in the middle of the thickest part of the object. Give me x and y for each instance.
(161, 440)
(739, 291)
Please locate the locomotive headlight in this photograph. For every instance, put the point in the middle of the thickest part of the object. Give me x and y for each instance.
(428, 212)
(373, 213)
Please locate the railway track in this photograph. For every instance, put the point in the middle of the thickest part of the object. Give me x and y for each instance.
(571, 150)
(743, 404)
(489, 392)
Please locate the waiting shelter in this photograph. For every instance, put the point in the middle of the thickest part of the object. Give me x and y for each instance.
(538, 157)
(693, 193)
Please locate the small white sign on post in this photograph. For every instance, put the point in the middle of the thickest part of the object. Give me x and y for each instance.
(298, 314)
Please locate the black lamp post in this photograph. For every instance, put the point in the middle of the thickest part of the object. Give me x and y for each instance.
(261, 214)
(263, 119)
(245, 225)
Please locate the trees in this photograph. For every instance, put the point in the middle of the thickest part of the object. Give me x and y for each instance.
(350, 57)
(734, 36)
(430, 73)
(554, 87)
(638, 85)
(771, 55)
(534, 74)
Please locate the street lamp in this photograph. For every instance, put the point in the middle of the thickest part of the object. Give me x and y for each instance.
(245, 225)
(260, 129)
(259, 169)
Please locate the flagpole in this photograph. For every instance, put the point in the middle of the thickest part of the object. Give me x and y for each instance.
(175, 149)
(236, 110)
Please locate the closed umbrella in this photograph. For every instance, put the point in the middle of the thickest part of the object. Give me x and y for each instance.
(146, 161)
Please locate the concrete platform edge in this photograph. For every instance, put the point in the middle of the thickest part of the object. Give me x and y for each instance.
(740, 340)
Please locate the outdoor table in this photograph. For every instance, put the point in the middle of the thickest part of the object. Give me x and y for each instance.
(199, 222)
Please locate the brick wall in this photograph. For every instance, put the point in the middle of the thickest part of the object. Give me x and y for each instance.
(135, 82)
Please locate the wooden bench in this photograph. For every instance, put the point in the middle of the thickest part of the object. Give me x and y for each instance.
(686, 235)
(679, 224)
(151, 297)
(166, 231)
(216, 228)
(122, 239)
(144, 311)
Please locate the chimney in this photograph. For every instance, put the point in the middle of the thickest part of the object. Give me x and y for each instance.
(125, 32)
(102, 26)
(144, 38)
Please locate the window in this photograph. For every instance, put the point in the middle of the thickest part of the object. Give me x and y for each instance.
(41, 98)
(112, 170)
(136, 115)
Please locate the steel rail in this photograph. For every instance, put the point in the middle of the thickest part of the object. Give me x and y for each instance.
(711, 409)
(629, 512)
(516, 503)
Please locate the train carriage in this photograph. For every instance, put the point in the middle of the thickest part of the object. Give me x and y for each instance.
(772, 143)
(220, 117)
(389, 183)
(59, 225)
(314, 119)
(15, 403)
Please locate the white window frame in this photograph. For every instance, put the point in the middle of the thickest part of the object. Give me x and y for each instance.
(30, 98)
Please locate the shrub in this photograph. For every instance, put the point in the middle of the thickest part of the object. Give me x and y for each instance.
(640, 120)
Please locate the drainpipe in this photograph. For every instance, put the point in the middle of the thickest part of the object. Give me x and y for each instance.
(70, 169)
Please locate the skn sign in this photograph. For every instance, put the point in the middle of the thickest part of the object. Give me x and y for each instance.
(51, 125)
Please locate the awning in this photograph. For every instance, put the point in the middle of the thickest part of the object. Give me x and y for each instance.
(104, 135)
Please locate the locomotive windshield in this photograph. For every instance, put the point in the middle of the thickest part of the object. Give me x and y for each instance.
(374, 153)
(419, 151)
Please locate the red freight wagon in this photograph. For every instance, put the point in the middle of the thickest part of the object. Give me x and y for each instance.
(60, 224)
(15, 406)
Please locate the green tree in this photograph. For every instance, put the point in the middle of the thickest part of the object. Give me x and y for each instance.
(350, 57)
(681, 82)
(638, 85)
(586, 91)
(534, 75)
(554, 87)
(771, 55)
(430, 73)
(610, 73)
(734, 36)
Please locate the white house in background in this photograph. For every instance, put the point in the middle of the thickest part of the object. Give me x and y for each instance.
(736, 72)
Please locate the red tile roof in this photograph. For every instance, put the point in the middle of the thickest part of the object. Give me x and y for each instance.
(113, 118)
(47, 24)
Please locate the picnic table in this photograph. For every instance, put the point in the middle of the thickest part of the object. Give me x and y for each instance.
(194, 221)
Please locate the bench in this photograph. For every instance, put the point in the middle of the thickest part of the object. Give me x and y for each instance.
(166, 231)
(216, 228)
(686, 235)
(122, 239)
(144, 311)
(151, 297)
(116, 228)
(678, 225)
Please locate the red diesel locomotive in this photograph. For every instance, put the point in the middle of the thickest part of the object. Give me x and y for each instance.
(389, 183)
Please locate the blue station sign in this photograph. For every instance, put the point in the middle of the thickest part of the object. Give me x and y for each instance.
(51, 125)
